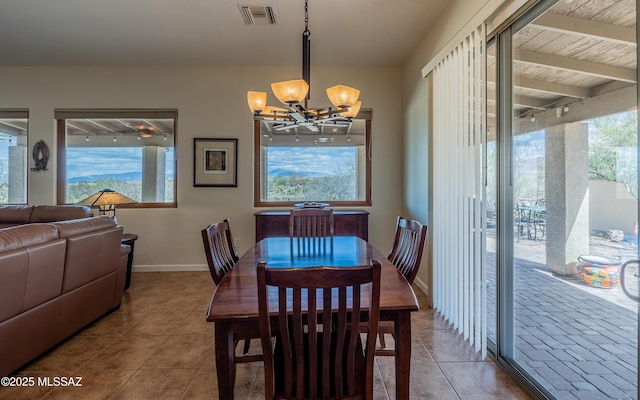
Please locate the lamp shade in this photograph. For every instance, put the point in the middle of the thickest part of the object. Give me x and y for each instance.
(353, 111)
(290, 91)
(257, 100)
(104, 197)
(342, 96)
(274, 113)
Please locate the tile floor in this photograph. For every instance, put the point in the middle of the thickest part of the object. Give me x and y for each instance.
(158, 346)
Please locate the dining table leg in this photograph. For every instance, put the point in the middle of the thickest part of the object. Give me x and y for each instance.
(225, 360)
(403, 354)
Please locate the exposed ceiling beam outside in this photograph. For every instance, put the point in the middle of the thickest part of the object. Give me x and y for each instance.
(552, 87)
(586, 28)
(578, 66)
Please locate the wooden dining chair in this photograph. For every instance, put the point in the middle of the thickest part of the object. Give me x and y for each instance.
(221, 257)
(314, 314)
(312, 228)
(405, 254)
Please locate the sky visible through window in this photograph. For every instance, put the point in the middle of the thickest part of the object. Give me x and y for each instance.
(103, 162)
(310, 161)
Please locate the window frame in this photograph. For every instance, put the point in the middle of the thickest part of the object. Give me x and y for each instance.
(61, 116)
(257, 173)
(20, 113)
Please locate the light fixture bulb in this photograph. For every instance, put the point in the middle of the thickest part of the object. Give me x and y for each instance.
(533, 118)
(86, 139)
(114, 139)
(566, 108)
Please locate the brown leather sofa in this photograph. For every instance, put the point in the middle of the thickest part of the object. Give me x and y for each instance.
(56, 278)
(12, 215)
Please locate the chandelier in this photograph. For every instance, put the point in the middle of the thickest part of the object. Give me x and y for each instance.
(295, 95)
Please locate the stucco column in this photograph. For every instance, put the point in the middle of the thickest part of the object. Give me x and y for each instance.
(153, 171)
(567, 196)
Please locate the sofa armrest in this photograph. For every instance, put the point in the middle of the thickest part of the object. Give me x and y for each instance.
(122, 274)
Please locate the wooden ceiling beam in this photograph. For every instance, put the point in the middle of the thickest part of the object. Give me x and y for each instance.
(578, 66)
(584, 27)
(530, 102)
(552, 87)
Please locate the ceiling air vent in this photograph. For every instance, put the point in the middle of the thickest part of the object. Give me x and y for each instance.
(258, 15)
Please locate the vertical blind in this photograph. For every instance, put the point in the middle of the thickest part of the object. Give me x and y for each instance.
(459, 127)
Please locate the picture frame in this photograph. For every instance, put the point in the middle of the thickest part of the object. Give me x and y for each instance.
(215, 162)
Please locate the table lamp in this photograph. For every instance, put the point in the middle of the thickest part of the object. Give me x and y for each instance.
(106, 200)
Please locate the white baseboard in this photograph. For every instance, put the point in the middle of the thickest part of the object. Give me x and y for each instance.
(170, 268)
(421, 285)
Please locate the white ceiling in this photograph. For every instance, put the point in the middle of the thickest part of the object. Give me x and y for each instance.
(210, 32)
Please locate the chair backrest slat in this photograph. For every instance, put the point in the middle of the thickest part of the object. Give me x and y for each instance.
(219, 249)
(311, 227)
(408, 245)
(318, 343)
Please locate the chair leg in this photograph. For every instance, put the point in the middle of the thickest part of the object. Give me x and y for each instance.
(245, 350)
(382, 343)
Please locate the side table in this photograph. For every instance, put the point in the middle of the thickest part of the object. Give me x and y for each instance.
(130, 240)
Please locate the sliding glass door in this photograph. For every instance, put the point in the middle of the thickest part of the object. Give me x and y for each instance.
(568, 205)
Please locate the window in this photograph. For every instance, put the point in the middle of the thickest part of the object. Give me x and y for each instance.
(129, 151)
(14, 158)
(297, 165)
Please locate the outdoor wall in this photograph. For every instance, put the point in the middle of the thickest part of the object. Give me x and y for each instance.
(211, 102)
(611, 207)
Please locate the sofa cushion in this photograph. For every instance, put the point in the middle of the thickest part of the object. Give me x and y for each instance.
(31, 267)
(15, 214)
(59, 213)
(93, 249)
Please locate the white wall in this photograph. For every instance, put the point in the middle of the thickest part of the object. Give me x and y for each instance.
(211, 102)
(415, 123)
(611, 207)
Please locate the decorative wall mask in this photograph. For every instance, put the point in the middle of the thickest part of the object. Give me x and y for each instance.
(40, 156)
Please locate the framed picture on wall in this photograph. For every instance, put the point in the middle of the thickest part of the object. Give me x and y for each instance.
(215, 162)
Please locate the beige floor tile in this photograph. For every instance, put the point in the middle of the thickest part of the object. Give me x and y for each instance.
(156, 384)
(480, 381)
(130, 353)
(204, 386)
(180, 351)
(447, 345)
(157, 345)
(72, 354)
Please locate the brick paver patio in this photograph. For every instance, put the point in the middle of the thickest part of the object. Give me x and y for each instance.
(578, 341)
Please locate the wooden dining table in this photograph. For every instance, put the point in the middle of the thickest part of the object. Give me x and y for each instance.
(234, 304)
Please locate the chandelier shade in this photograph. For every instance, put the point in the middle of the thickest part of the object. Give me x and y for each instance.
(342, 96)
(295, 94)
(353, 110)
(257, 100)
(290, 92)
